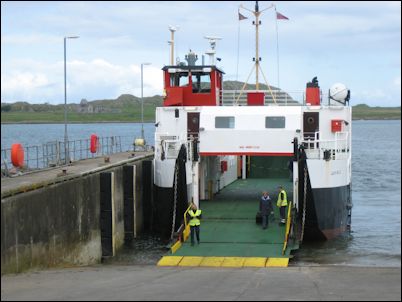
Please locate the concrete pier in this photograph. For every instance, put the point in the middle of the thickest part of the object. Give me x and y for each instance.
(128, 282)
(56, 218)
(42, 178)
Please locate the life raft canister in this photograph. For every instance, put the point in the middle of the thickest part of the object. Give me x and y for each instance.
(94, 143)
(17, 155)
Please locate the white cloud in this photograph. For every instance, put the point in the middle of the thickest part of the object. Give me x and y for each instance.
(96, 79)
(25, 86)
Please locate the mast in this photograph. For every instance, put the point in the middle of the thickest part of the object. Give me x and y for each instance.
(257, 59)
(256, 12)
(257, 23)
(171, 43)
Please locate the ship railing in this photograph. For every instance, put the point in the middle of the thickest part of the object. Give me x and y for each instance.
(53, 154)
(288, 229)
(317, 148)
(273, 97)
(186, 231)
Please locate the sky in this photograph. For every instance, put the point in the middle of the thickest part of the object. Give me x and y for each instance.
(354, 43)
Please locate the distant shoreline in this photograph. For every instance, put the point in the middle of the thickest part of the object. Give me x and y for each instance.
(150, 122)
(83, 122)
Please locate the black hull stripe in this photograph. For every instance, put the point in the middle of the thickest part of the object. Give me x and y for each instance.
(327, 212)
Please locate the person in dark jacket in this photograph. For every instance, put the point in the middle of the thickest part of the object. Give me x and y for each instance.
(265, 208)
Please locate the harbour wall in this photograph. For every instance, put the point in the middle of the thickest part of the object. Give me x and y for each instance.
(61, 225)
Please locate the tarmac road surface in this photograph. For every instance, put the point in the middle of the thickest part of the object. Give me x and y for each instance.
(149, 282)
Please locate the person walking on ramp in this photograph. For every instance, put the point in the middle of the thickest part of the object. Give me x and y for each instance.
(265, 208)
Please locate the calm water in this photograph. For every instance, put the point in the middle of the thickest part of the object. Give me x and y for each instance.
(376, 189)
(37, 134)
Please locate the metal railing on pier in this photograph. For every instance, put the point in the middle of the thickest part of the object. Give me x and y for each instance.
(52, 154)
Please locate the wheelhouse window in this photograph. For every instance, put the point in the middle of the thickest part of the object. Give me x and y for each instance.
(179, 79)
(201, 82)
(224, 121)
(275, 122)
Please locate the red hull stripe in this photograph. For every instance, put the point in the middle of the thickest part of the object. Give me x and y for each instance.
(246, 153)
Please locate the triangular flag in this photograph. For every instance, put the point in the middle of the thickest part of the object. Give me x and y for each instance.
(279, 16)
(241, 17)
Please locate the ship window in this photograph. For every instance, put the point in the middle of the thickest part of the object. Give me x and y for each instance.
(224, 122)
(179, 79)
(201, 83)
(275, 122)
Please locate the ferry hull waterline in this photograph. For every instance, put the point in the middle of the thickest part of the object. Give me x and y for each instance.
(221, 149)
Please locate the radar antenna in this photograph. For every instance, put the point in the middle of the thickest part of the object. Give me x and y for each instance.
(211, 52)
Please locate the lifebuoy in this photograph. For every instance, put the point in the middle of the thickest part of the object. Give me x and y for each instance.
(17, 155)
(94, 143)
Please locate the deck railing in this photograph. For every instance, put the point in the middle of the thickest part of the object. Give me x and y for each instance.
(52, 153)
(317, 148)
(273, 97)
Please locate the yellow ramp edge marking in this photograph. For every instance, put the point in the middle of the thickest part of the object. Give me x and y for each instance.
(191, 261)
(186, 233)
(277, 262)
(212, 261)
(175, 247)
(255, 262)
(169, 260)
(233, 262)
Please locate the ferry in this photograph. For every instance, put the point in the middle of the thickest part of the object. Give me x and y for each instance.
(220, 149)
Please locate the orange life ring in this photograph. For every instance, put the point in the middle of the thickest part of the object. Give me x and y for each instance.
(94, 143)
(17, 155)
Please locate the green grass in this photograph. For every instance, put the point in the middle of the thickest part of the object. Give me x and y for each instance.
(132, 113)
(376, 113)
(58, 117)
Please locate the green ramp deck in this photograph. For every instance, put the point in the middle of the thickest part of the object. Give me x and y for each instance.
(228, 228)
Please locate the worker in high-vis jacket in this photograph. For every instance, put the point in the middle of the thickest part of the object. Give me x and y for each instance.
(195, 216)
(282, 203)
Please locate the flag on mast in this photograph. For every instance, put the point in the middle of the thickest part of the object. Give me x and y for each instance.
(241, 17)
(279, 16)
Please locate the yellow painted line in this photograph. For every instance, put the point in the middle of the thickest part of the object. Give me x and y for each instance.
(175, 247)
(233, 262)
(191, 261)
(255, 262)
(170, 260)
(277, 262)
(212, 261)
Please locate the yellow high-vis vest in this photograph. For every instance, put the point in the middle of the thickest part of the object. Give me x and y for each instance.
(194, 217)
(282, 202)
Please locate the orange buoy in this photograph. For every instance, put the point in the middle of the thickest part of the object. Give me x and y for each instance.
(17, 155)
(94, 143)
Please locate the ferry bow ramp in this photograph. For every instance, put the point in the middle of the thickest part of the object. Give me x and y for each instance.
(230, 235)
